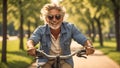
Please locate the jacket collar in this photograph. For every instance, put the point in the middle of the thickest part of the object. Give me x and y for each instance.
(63, 29)
(47, 29)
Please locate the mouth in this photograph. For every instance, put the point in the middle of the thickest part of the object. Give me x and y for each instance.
(54, 23)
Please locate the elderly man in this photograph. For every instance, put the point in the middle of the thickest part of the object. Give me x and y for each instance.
(55, 36)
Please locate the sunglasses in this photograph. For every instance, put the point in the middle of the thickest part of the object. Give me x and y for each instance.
(58, 17)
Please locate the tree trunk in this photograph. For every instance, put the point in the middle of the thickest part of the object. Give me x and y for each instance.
(117, 28)
(89, 31)
(4, 42)
(29, 32)
(21, 26)
(93, 32)
(117, 22)
(100, 32)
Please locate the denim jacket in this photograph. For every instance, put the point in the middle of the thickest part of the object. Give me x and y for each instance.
(68, 32)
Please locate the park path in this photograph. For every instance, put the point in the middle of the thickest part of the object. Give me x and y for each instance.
(97, 60)
(9, 38)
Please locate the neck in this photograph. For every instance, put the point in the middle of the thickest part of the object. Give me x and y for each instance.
(56, 32)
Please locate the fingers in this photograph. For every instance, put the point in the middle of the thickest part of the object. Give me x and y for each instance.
(90, 50)
(31, 52)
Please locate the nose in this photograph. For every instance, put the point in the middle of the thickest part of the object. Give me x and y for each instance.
(54, 19)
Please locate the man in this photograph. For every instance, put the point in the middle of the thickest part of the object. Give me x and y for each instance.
(55, 36)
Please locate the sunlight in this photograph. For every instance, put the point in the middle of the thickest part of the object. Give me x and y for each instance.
(56, 1)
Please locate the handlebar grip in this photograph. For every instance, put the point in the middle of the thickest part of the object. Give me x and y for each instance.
(83, 50)
(81, 53)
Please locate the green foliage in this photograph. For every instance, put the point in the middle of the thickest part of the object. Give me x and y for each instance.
(1, 10)
(82, 12)
(16, 58)
(31, 12)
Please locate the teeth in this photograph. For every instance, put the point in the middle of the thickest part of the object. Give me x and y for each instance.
(53, 23)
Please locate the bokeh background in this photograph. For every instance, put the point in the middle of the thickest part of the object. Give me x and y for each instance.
(99, 20)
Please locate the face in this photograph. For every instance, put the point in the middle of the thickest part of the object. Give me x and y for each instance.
(54, 19)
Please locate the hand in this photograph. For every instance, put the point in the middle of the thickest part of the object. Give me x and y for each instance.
(31, 51)
(89, 50)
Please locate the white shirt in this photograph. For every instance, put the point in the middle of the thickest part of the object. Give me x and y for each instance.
(55, 45)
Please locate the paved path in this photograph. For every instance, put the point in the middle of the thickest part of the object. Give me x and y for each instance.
(97, 60)
(10, 38)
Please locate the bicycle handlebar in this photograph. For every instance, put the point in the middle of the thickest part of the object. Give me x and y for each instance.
(41, 53)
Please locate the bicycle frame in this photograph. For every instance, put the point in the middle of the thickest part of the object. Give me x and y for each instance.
(58, 58)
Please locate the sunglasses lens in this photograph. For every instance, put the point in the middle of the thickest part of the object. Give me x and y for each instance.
(50, 17)
(58, 17)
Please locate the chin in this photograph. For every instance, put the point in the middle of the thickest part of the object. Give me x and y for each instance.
(55, 28)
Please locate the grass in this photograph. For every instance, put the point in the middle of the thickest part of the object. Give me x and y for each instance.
(16, 58)
(109, 49)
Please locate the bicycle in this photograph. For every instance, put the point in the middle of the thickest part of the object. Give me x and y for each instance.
(58, 58)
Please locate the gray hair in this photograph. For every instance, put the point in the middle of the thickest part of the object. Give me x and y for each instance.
(46, 8)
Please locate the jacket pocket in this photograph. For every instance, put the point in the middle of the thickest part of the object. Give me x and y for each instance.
(67, 47)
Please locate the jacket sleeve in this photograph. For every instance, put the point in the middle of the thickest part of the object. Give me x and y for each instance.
(36, 36)
(78, 36)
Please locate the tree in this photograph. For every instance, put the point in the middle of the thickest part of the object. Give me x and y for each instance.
(21, 25)
(25, 11)
(116, 10)
(4, 42)
(98, 14)
(99, 31)
(101, 12)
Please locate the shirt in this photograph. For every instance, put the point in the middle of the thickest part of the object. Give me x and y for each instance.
(55, 46)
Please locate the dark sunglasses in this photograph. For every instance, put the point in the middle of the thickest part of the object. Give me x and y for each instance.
(50, 17)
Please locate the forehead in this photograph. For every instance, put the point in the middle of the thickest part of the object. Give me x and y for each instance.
(54, 12)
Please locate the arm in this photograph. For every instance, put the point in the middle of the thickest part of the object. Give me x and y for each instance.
(33, 40)
(81, 39)
(30, 48)
(30, 44)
